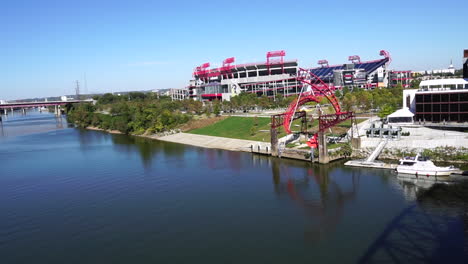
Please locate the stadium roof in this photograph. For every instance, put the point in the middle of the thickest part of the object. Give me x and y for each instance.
(368, 66)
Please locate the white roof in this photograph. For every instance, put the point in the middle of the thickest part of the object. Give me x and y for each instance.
(404, 112)
(444, 81)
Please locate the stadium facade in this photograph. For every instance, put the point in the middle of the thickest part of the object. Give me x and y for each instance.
(278, 77)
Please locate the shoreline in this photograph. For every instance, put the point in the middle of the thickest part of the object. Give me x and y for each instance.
(223, 143)
(115, 132)
(202, 141)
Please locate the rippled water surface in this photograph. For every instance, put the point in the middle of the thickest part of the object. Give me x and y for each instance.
(75, 196)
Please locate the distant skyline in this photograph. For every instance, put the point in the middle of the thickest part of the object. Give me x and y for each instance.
(141, 45)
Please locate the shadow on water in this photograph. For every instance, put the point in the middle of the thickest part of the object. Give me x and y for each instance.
(320, 197)
(431, 230)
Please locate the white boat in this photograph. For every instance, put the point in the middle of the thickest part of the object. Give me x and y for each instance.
(422, 166)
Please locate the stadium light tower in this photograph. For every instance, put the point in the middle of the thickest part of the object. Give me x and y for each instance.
(354, 59)
(226, 69)
(323, 63)
(272, 54)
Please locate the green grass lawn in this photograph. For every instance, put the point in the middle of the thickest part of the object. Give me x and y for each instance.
(241, 128)
(238, 127)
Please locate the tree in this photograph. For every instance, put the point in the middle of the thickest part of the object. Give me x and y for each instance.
(348, 102)
(345, 90)
(253, 131)
(415, 83)
(338, 94)
(386, 110)
(216, 110)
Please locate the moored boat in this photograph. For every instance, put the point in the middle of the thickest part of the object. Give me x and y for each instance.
(422, 166)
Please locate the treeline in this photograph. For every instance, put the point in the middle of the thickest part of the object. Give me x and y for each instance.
(385, 101)
(135, 113)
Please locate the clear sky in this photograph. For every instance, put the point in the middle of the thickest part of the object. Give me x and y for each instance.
(45, 46)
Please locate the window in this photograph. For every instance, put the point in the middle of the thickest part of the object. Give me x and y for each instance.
(463, 107)
(453, 107)
(449, 86)
(419, 108)
(444, 97)
(454, 97)
(459, 86)
(444, 107)
(435, 86)
(427, 108)
(444, 117)
(427, 98)
(253, 74)
(453, 117)
(463, 97)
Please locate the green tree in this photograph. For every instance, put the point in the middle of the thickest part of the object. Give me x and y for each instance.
(338, 94)
(216, 109)
(415, 83)
(348, 102)
(386, 110)
(253, 131)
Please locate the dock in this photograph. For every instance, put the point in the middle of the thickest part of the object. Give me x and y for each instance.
(370, 164)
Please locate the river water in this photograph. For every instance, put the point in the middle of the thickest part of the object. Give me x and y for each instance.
(74, 196)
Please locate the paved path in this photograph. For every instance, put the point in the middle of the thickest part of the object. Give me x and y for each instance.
(214, 142)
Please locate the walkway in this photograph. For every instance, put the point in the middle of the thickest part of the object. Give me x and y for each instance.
(214, 142)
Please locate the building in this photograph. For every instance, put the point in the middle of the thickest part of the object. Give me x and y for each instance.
(178, 94)
(443, 100)
(364, 74)
(400, 77)
(270, 78)
(439, 101)
(449, 70)
(278, 77)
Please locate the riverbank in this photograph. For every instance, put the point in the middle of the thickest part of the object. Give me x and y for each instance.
(214, 142)
(110, 131)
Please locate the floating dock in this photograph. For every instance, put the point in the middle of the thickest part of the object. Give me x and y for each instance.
(370, 164)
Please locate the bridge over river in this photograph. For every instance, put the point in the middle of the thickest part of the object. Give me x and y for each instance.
(24, 105)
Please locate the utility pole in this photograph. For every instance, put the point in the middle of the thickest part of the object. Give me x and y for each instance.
(77, 90)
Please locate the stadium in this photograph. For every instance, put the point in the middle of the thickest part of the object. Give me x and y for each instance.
(278, 77)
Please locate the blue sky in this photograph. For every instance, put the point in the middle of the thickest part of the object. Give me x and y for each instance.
(45, 46)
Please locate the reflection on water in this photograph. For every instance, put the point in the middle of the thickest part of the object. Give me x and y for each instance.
(34, 121)
(320, 197)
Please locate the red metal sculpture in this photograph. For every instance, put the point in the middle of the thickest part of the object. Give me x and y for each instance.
(314, 90)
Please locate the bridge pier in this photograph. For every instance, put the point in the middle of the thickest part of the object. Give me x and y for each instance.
(23, 110)
(322, 146)
(12, 111)
(5, 112)
(274, 142)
